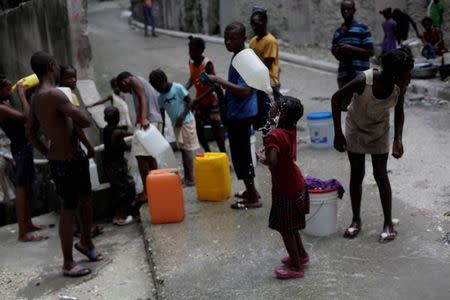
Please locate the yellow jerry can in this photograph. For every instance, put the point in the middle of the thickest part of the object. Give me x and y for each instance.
(212, 176)
(28, 82)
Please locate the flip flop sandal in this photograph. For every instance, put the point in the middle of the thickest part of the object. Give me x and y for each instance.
(92, 254)
(241, 195)
(282, 273)
(387, 236)
(123, 222)
(351, 232)
(77, 271)
(287, 260)
(243, 205)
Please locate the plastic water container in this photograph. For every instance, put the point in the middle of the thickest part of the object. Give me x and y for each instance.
(165, 196)
(157, 146)
(253, 148)
(321, 129)
(28, 82)
(93, 173)
(252, 70)
(212, 176)
(322, 217)
(446, 58)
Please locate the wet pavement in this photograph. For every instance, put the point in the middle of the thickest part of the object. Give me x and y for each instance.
(219, 253)
(34, 270)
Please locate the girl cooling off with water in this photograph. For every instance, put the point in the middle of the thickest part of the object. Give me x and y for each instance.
(290, 199)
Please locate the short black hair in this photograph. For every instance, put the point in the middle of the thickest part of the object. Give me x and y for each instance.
(196, 43)
(123, 75)
(397, 60)
(292, 108)
(113, 81)
(260, 12)
(3, 81)
(427, 20)
(64, 68)
(156, 77)
(110, 113)
(236, 26)
(351, 1)
(40, 62)
(387, 12)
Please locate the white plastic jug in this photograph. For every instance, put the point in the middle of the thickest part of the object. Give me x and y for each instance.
(95, 183)
(253, 70)
(157, 146)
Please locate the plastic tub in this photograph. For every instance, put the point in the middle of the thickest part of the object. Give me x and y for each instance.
(321, 129)
(322, 217)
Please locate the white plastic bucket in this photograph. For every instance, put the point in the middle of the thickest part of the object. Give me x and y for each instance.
(322, 217)
(321, 129)
(252, 70)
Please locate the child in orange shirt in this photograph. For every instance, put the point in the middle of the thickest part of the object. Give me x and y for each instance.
(206, 107)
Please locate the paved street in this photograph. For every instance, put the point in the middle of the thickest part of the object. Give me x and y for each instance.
(219, 253)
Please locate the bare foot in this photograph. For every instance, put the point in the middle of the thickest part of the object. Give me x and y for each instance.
(29, 237)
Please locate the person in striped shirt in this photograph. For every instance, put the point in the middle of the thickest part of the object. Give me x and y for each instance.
(352, 45)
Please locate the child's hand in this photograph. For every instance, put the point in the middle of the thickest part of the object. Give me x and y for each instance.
(397, 149)
(90, 152)
(179, 121)
(340, 144)
(261, 156)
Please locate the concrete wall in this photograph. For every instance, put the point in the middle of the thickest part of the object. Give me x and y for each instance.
(34, 25)
(187, 15)
(295, 21)
(56, 26)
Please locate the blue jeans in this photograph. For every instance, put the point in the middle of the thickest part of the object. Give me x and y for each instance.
(148, 17)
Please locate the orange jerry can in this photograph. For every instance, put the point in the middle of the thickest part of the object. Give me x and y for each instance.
(165, 196)
(212, 176)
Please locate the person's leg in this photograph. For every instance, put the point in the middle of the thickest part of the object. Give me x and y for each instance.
(144, 169)
(28, 198)
(21, 213)
(357, 170)
(290, 243)
(85, 213)
(188, 165)
(218, 132)
(201, 134)
(146, 19)
(301, 249)
(379, 163)
(66, 236)
(152, 19)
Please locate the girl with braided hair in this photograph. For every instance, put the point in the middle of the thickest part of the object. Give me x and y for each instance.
(372, 94)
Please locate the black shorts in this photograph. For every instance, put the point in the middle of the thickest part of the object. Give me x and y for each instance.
(72, 178)
(240, 148)
(23, 158)
(122, 184)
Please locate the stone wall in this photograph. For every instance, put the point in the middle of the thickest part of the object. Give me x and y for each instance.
(56, 26)
(186, 15)
(34, 25)
(294, 21)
